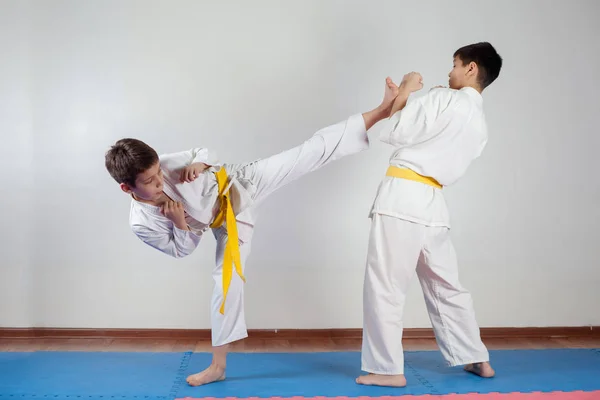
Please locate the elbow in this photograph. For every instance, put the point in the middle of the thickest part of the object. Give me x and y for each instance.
(182, 252)
(172, 251)
(179, 254)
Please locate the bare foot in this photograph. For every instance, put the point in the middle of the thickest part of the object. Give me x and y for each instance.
(483, 369)
(382, 380)
(390, 94)
(211, 374)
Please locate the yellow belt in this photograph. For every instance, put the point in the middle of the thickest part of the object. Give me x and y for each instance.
(405, 173)
(232, 248)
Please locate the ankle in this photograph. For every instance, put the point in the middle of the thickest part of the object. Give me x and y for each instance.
(219, 357)
(219, 365)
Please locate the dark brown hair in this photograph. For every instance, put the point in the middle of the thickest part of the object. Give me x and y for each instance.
(127, 158)
(487, 59)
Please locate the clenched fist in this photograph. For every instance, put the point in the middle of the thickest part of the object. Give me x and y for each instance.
(175, 212)
(192, 171)
(412, 82)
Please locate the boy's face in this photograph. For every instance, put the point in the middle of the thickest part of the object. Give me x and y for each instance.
(148, 184)
(461, 75)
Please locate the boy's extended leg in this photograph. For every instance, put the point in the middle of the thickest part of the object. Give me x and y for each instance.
(394, 249)
(450, 306)
(327, 145)
(230, 326)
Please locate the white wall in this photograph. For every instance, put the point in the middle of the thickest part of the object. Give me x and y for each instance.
(16, 155)
(249, 79)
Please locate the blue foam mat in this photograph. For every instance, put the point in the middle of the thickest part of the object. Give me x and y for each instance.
(333, 374)
(61, 374)
(160, 376)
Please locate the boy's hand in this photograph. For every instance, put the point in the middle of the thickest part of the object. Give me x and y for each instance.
(175, 212)
(192, 171)
(412, 82)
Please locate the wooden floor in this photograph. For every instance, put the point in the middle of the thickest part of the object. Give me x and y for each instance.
(270, 345)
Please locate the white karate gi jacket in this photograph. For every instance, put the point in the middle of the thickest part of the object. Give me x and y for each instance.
(199, 197)
(437, 135)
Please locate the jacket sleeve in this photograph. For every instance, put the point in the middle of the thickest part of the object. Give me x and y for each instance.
(177, 243)
(176, 161)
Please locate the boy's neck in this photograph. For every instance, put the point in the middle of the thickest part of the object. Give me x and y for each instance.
(474, 86)
(157, 203)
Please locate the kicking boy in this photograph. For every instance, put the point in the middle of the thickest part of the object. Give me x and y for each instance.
(177, 197)
(436, 137)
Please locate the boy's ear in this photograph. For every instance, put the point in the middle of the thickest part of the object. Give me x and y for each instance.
(472, 68)
(126, 188)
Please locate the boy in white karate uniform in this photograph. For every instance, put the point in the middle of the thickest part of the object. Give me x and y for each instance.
(436, 138)
(177, 197)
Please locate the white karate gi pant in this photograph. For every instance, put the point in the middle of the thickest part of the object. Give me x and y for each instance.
(268, 175)
(398, 248)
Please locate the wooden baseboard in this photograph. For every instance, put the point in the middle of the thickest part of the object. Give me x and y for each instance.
(204, 334)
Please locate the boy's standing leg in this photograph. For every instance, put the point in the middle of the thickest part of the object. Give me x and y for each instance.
(230, 326)
(450, 306)
(396, 248)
